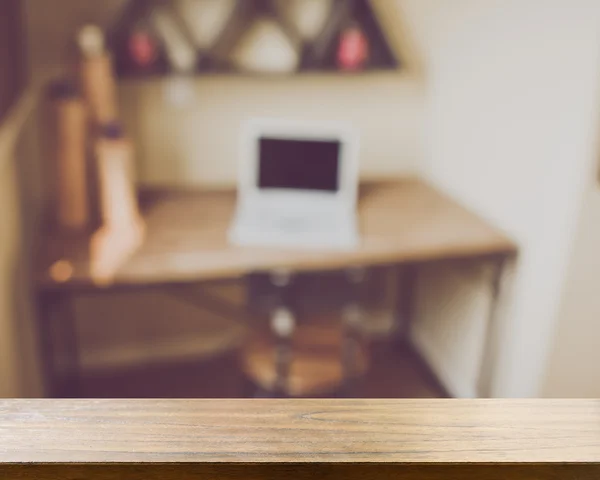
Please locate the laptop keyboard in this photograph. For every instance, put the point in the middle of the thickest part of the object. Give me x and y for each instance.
(292, 223)
(319, 228)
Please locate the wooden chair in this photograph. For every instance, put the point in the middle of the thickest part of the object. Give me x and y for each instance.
(305, 355)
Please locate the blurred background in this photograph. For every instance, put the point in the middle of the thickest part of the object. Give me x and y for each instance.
(483, 116)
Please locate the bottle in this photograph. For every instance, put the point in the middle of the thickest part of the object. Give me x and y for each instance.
(97, 76)
(141, 51)
(69, 114)
(353, 51)
(122, 230)
(265, 48)
(114, 166)
(206, 20)
(308, 16)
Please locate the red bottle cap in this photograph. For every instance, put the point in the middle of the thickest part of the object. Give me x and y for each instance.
(143, 48)
(353, 50)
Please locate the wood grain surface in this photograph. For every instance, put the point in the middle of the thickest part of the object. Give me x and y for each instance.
(300, 431)
(400, 221)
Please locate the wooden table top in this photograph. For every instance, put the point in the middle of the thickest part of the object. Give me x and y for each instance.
(400, 221)
(302, 431)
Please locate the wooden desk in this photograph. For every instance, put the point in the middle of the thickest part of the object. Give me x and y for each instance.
(401, 222)
(353, 439)
(404, 221)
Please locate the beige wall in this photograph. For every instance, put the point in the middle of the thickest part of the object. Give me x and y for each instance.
(512, 125)
(198, 144)
(574, 364)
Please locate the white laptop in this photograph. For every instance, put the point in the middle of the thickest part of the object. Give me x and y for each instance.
(298, 185)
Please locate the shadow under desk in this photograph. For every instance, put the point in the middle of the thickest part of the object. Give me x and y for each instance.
(403, 224)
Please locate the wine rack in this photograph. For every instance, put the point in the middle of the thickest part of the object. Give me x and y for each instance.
(195, 37)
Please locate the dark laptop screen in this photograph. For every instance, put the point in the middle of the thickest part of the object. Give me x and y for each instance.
(299, 164)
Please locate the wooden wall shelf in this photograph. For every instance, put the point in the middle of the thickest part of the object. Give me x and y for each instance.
(218, 75)
(165, 37)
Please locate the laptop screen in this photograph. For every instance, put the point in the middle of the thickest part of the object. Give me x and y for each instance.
(299, 164)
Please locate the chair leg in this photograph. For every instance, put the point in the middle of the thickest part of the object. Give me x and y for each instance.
(254, 391)
(283, 325)
(262, 393)
(353, 316)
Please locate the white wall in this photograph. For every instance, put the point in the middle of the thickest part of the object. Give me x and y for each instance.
(450, 326)
(197, 143)
(574, 365)
(513, 88)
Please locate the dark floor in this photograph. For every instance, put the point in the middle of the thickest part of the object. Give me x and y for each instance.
(396, 372)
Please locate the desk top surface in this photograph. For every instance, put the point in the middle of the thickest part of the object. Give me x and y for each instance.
(274, 431)
(401, 221)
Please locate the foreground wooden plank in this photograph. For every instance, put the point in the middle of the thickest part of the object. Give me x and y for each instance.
(189, 439)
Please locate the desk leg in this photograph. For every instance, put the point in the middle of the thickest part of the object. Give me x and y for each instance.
(488, 361)
(56, 320)
(46, 303)
(351, 350)
(283, 354)
(406, 286)
(68, 320)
